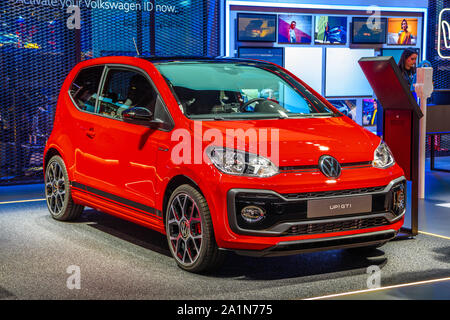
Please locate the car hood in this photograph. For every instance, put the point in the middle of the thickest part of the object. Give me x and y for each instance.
(301, 141)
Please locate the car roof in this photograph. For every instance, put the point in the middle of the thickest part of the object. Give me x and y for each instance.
(155, 59)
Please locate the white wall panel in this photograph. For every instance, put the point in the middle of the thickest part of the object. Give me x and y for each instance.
(343, 75)
(305, 63)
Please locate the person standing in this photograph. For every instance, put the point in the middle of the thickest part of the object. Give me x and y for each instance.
(292, 36)
(407, 65)
(326, 32)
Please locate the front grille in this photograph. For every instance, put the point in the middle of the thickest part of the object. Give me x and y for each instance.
(299, 168)
(280, 211)
(322, 194)
(356, 164)
(315, 167)
(336, 226)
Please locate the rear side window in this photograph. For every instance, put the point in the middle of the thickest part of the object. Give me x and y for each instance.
(84, 89)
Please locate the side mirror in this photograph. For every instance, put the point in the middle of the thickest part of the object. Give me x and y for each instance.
(141, 116)
(137, 114)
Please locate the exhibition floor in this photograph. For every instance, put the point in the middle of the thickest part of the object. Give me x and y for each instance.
(120, 260)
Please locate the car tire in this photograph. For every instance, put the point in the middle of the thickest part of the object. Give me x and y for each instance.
(58, 193)
(190, 233)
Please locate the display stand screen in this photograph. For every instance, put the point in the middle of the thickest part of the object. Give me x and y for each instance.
(369, 31)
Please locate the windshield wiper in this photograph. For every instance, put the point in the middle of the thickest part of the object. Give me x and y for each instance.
(314, 115)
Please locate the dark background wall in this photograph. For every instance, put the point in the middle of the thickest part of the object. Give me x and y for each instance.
(37, 50)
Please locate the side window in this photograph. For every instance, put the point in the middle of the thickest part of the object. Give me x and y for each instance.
(124, 89)
(84, 88)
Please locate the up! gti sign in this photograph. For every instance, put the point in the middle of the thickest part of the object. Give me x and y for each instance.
(444, 34)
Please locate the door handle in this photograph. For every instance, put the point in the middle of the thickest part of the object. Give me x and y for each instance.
(90, 133)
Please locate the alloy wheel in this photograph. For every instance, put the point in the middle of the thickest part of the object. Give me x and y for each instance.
(55, 188)
(184, 228)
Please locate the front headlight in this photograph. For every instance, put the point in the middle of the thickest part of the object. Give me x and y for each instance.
(241, 163)
(383, 157)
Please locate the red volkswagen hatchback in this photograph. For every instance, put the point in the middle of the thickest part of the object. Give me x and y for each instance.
(219, 154)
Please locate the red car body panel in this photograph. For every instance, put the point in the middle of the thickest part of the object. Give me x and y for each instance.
(133, 163)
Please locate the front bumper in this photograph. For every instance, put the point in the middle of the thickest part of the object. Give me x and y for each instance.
(311, 245)
(287, 228)
(287, 213)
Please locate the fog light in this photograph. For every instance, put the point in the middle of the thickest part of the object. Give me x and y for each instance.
(398, 199)
(253, 214)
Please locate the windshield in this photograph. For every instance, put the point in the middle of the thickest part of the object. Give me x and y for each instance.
(224, 90)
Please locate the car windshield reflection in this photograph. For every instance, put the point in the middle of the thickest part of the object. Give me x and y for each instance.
(224, 90)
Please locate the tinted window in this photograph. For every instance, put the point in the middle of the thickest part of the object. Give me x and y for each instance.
(238, 90)
(125, 89)
(84, 89)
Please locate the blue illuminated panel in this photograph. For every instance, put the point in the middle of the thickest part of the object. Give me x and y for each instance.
(274, 55)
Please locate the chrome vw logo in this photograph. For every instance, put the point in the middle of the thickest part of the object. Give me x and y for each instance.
(329, 166)
(184, 226)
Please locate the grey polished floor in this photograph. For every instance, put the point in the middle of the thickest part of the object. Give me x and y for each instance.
(120, 260)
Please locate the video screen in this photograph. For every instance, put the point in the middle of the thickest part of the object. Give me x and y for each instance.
(257, 27)
(347, 107)
(402, 31)
(369, 31)
(330, 30)
(274, 55)
(294, 29)
(397, 53)
(370, 112)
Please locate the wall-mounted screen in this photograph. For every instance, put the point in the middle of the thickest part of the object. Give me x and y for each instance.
(397, 53)
(370, 112)
(369, 30)
(347, 107)
(257, 27)
(402, 31)
(344, 77)
(306, 63)
(330, 30)
(294, 29)
(274, 55)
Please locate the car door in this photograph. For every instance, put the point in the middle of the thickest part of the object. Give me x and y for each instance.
(83, 94)
(128, 152)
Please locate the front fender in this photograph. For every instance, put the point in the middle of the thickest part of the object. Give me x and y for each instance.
(205, 177)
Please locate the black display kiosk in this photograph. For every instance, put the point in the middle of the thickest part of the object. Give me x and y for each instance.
(401, 115)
